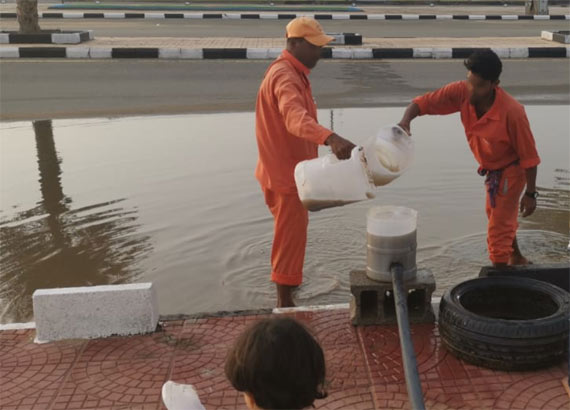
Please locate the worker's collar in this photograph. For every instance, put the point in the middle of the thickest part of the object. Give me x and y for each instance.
(493, 113)
(299, 66)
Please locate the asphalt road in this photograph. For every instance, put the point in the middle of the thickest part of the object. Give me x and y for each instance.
(33, 89)
(276, 28)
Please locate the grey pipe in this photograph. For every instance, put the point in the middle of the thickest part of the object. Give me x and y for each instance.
(413, 384)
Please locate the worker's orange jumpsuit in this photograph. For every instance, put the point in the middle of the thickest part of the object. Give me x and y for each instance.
(287, 133)
(500, 140)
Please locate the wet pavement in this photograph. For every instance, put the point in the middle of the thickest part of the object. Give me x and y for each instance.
(117, 88)
(364, 369)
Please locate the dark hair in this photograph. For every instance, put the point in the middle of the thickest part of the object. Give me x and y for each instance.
(279, 363)
(485, 63)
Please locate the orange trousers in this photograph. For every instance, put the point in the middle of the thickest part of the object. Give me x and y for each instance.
(290, 237)
(503, 218)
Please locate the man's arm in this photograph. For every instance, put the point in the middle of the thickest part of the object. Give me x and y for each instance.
(528, 204)
(411, 112)
(446, 100)
(525, 147)
(300, 123)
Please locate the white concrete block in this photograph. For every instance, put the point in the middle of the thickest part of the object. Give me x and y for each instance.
(376, 17)
(154, 16)
(18, 326)
(338, 38)
(231, 16)
(192, 53)
(91, 34)
(541, 17)
(362, 53)
(343, 53)
(509, 17)
(77, 52)
(476, 17)
(194, 16)
(257, 53)
(65, 38)
(114, 15)
(444, 17)
(410, 16)
(72, 15)
(169, 53)
(341, 16)
(269, 16)
(442, 53)
(95, 311)
(4, 38)
(502, 52)
(9, 52)
(518, 52)
(567, 16)
(547, 35)
(568, 55)
(100, 52)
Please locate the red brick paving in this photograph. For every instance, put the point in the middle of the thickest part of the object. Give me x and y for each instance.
(364, 369)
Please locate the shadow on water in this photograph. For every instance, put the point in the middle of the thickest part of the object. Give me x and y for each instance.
(53, 245)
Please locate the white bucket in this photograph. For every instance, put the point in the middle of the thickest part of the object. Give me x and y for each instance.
(326, 182)
(392, 238)
(389, 154)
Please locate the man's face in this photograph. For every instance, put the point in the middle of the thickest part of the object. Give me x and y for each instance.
(479, 89)
(306, 53)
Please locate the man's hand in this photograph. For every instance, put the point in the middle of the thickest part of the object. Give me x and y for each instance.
(411, 112)
(340, 147)
(405, 125)
(528, 205)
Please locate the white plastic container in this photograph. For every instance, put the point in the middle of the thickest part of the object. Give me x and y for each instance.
(326, 182)
(392, 238)
(389, 154)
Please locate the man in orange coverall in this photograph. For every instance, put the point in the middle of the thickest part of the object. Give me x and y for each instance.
(500, 138)
(288, 132)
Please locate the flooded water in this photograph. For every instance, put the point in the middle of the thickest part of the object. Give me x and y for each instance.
(173, 200)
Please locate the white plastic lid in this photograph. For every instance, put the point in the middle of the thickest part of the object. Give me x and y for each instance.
(391, 220)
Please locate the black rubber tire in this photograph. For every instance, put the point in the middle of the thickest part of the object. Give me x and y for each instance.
(534, 336)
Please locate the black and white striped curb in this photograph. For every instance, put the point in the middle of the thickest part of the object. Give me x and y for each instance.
(289, 16)
(47, 38)
(271, 53)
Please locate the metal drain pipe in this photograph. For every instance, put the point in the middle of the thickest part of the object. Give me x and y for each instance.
(413, 384)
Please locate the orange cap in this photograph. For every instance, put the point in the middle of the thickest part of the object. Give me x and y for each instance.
(309, 29)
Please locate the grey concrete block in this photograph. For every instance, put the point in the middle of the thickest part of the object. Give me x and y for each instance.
(95, 311)
(372, 302)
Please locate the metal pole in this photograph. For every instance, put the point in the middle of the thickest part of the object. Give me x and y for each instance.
(413, 384)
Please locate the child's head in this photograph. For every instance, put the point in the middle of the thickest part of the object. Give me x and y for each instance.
(278, 364)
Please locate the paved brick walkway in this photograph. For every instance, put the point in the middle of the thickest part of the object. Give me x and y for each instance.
(363, 369)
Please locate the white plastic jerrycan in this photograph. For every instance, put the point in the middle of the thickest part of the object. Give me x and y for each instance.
(326, 182)
(389, 154)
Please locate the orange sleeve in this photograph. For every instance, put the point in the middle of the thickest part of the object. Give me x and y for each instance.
(446, 100)
(297, 119)
(522, 138)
